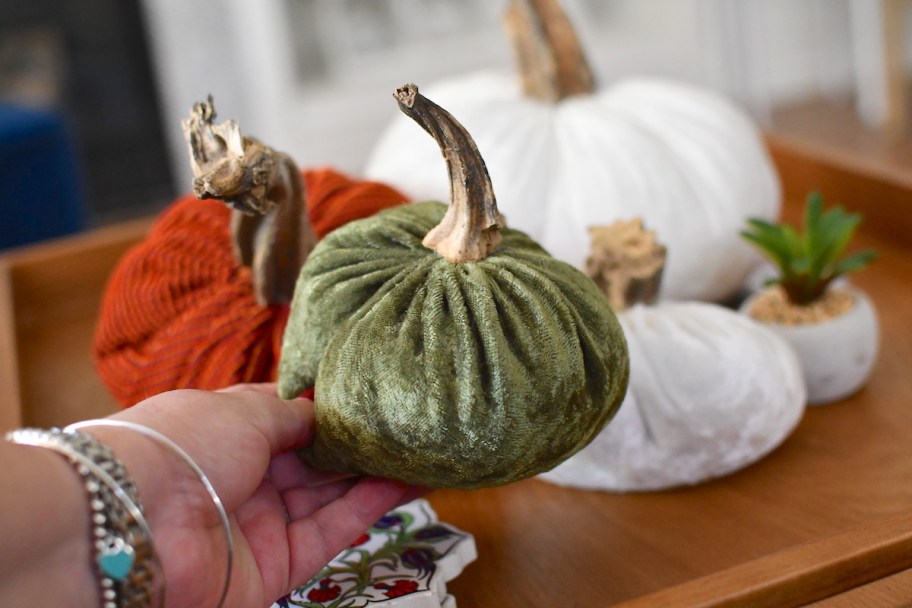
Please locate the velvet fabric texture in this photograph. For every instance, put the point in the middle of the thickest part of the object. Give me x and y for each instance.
(448, 375)
(711, 391)
(179, 311)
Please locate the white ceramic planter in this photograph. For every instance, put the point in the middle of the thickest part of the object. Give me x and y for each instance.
(837, 355)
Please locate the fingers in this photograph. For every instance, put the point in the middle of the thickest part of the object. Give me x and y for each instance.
(231, 416)
(232, 435)
(304, 502)
(262, 524)
(316, 540)
(287, 471)
(270, 388)
(413, 493)
(284, 424)
(283, 427)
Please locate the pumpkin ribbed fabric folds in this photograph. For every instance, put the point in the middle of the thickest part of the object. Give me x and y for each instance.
(443, 374)
(179, 311)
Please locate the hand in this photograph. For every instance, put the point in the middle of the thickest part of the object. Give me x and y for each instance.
(288, 520)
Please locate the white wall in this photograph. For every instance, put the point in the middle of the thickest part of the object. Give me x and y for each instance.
(759, 52)
(193, 56)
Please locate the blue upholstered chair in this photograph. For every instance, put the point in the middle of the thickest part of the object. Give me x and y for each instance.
(41, 194)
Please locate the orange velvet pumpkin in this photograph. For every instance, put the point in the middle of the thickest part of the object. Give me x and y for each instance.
(179, 311)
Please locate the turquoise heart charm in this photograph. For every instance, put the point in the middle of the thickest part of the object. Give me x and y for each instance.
(116, 560)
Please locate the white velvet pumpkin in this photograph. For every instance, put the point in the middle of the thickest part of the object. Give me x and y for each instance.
(710, 392)
(687, 161)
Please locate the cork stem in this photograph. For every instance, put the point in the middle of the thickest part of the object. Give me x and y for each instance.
(269, 227)
(470, 229)
(550, 58)
(626, 262)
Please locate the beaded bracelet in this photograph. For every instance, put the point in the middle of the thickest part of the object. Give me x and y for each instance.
(125, 560)
(170, 444)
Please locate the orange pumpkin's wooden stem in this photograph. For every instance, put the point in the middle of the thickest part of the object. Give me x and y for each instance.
(470, 229)
(263, 187)
(179, 310)
(551, 60)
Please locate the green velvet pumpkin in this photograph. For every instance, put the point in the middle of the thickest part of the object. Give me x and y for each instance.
(448, 374)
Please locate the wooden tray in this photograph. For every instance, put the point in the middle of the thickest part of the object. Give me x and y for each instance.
(49, 300)
(828, 515)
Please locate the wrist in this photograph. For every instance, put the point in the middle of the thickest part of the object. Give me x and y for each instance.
(184, 503)
(155, 475)
(126, 568)
(50, 558)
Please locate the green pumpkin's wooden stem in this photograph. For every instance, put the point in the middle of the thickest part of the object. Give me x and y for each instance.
(264, 188)
(626, 262)
(470, 230)
(551, 60)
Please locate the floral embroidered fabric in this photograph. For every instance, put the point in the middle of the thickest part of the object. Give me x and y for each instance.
(405, 558)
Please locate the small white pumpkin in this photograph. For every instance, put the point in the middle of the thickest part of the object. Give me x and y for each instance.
(711, 391)
(564, 157)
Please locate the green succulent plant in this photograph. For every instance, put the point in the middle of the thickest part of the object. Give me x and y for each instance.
(809, 261)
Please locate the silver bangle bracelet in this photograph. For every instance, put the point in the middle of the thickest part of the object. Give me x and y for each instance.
(124, 555)
(170, 444)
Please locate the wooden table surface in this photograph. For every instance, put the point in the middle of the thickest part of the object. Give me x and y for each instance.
(828, 511)
(848, 464)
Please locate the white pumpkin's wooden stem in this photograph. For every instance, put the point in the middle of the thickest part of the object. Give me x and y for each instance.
(264, 188)
(470, 229)
(551, 60)
(626, 262)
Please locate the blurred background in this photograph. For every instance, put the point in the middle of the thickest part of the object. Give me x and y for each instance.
(92, 91)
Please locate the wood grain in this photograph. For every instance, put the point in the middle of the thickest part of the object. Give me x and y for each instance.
(887, 592)
(52, 294)
(805, 573)
(820, 146)
(10, 396)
